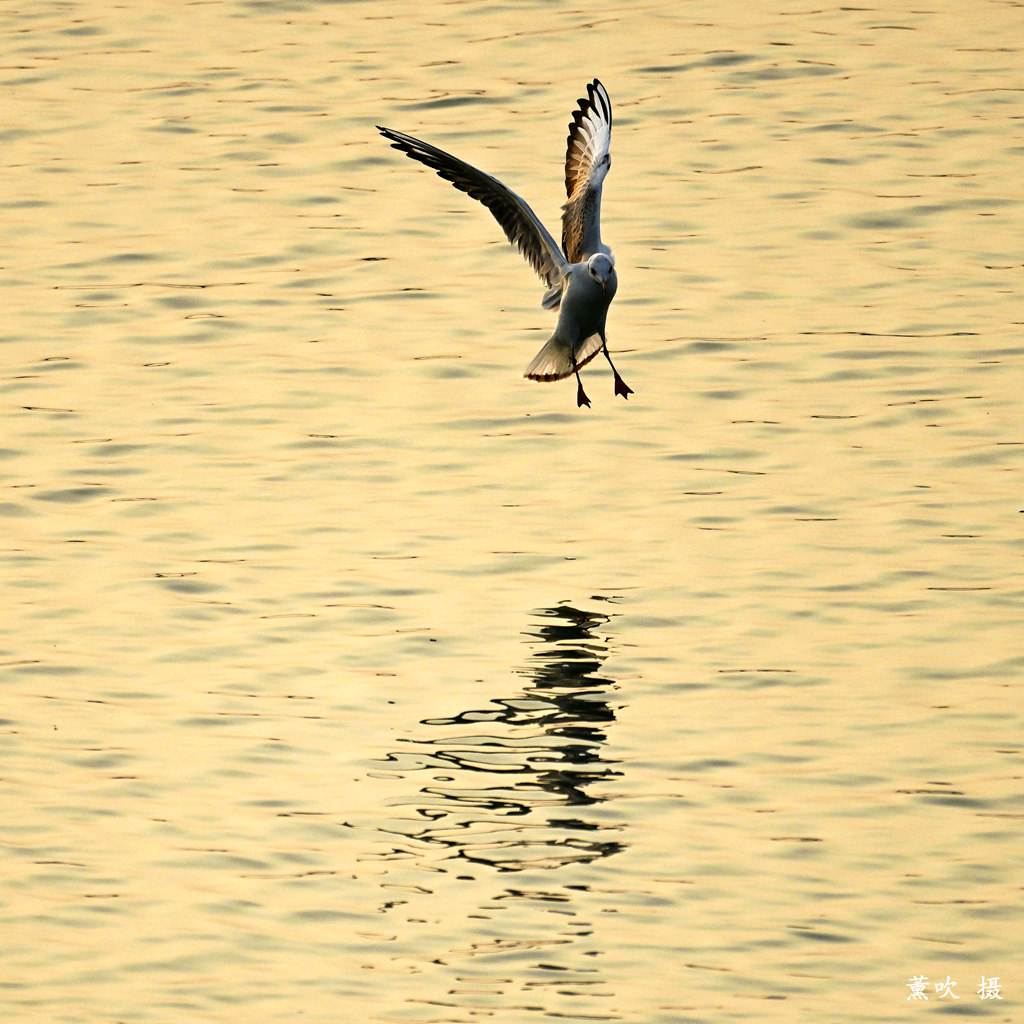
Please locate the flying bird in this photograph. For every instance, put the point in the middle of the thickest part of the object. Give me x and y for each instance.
(580, 276)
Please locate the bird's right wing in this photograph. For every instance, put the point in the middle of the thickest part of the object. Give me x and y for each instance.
(520, 224)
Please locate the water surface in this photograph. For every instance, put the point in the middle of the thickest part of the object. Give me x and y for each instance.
(348, 675)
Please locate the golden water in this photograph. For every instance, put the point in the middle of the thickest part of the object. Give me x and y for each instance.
(346, 675)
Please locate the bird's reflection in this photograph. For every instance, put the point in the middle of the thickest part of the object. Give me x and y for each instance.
(517, 784)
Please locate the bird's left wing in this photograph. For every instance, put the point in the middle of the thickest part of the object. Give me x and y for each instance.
(587, 159)
(520, 224)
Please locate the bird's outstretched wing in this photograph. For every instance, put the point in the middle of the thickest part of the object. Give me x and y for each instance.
(587, 159)
(520, 224)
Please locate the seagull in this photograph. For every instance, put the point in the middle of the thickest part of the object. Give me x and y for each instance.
(580, 276)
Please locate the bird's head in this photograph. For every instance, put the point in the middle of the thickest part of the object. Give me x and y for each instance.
(601, 267)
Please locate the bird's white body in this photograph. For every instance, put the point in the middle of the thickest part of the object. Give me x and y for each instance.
(579, 333)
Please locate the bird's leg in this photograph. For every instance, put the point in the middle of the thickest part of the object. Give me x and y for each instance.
(621, 387)
(581, 395)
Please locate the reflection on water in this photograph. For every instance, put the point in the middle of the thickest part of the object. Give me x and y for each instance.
(509, 784)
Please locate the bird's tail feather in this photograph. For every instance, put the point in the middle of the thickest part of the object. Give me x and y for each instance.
(554, 360)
